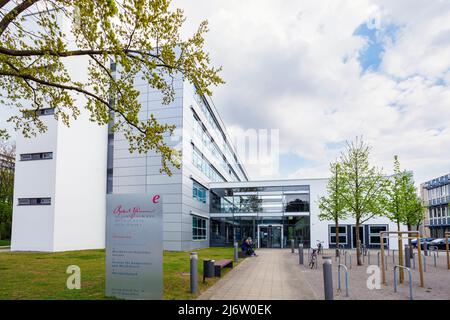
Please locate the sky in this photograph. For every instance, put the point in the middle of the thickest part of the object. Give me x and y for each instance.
(324, 72)
(320, 73)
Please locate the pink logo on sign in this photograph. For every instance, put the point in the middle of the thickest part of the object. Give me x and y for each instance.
(156, 198)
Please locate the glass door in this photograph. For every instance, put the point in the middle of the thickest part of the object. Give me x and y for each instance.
(276, 237)
(270, 236)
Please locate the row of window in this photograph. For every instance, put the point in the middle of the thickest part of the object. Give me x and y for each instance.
(439, 212)
(34, 201)
(210, 144)
(211, 120)
(204, 166)
(36, 156)
(199, 192)
(199, 228)
(374, 234)
(439, 192)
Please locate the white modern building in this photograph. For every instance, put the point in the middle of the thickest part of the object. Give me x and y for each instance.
(60, 187)
(60, 193)
(60, 177)
(63, 176)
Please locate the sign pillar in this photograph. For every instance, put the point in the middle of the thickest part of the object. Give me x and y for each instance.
(134, 246)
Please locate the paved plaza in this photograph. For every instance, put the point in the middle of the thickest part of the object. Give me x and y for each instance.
(271, 275)
(276, 274)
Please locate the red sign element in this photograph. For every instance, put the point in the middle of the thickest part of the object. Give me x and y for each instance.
(156, 198)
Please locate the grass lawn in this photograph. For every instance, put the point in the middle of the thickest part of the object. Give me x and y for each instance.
(26, 275)
(5, 242)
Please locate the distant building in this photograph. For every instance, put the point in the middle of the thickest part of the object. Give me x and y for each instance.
(436, 196)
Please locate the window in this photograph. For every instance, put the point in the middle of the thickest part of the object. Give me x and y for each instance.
(374, 233)
(34, 201)
(296, 202)
(47, 112)
(198, 228)
(205, 166)
(36, 156)
(342, 234)
(199, 192)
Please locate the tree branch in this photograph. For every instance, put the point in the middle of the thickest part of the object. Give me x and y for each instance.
(14, 13)
(71, 88)
(3, 3)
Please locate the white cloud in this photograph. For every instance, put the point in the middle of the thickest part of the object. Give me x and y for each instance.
(295, 67)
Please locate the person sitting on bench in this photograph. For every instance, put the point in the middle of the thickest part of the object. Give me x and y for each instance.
(247, 247)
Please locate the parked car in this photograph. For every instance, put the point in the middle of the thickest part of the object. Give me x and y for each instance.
(422, 241)
(440, 243)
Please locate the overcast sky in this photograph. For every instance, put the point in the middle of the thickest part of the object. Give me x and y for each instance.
(323, 72)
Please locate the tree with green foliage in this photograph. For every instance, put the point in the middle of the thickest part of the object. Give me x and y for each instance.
(402, 204)
(7, 157)
(363, 187)
(141, 36)
(332, 206)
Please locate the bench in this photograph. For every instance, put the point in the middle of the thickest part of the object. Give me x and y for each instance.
(219, 265)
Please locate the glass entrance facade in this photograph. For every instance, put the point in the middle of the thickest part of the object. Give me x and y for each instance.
(270, 215)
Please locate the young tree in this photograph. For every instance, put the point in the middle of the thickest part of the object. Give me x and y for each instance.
(402, 204)
(141, 36)
(332, 206)
(363, 187)
(395, 195)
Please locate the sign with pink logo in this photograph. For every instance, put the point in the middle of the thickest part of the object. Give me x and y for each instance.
(134, 246)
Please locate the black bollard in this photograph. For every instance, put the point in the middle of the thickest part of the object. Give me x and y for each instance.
(194, 272)
(300, 253)
(328, 278)
(407, 256)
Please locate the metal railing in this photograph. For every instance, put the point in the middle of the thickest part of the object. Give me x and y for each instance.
(345, 258)
(378, 260)
(424, 259)
(346, 278)
(410, 280)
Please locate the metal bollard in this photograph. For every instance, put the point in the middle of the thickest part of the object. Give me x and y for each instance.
(435, 265)
(410, 280)
(327, 278)
(425, 248)
(292, 246)
(407, 256)
(346, 278)
(300, 253)
(194, 272)
(368, 257)
(393, 256)
(424, 259)
(414, 260)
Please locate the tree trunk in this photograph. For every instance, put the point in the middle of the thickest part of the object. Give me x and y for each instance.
(358, 244)
(336, 224)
